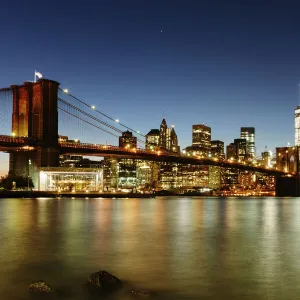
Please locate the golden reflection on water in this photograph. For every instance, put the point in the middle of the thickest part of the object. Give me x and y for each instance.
(188, 247)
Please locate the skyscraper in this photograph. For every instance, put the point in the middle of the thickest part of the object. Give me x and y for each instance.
(202, 138)
(248, 133)
(164, 135)
(297, 126)
(237, 150)
(241, 149)
(217, 149)
(173, 140)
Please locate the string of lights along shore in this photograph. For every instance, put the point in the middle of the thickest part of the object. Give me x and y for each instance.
(44, 150)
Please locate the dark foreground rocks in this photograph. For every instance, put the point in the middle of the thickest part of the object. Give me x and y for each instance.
(102, 282)
(105, 281)
(40, 287)
(143, 293)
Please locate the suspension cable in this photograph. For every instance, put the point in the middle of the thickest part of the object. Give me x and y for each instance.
(87, 122)
(103, 114)
(94, 118)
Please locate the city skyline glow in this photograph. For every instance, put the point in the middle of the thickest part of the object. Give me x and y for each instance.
(227, 66)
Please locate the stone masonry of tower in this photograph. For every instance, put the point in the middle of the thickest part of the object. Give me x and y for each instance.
(35, 116)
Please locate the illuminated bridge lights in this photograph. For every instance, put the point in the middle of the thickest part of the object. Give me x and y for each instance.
(9, 143)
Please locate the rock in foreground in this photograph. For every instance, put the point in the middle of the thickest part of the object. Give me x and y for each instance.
(142, 293)
(104, 281)
(40, 287)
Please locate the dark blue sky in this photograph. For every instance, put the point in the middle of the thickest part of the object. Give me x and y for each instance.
(223, 63)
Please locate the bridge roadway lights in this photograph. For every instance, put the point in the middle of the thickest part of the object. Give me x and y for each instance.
(105, 150)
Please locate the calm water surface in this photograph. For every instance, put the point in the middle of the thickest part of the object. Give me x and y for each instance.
(182, 248)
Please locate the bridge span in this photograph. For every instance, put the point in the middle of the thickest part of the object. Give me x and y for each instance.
(23, 144)
(34, 142)
(160, 156)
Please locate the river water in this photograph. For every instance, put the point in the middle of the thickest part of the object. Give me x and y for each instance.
(180, 248)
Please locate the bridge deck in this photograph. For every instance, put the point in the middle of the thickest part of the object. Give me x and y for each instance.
(14, 144)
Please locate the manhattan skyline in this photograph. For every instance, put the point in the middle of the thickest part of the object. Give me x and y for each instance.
(225, 65)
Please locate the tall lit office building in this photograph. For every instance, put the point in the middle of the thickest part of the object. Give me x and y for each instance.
(217, 149)
(164, 136)
(297, 126)
(248, 133)
(202, 137)
(237, 150)
(173, 140)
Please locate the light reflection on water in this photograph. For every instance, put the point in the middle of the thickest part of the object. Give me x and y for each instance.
(182, 248)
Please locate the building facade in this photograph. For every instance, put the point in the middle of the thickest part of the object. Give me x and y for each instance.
(297, 126)
(237, 150)
(201, 138)
(248, 133)
(174, 141)
(217, 149)
(164, 136)
(127, 140)
(152, 139)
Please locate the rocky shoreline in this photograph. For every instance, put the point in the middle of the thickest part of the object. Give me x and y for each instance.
(98, 285)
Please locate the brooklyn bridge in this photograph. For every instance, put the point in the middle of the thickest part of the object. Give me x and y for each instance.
(37, 111)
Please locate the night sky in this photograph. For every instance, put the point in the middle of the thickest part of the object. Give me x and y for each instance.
(226, 64)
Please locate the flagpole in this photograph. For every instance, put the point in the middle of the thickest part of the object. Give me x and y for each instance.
(34, 79)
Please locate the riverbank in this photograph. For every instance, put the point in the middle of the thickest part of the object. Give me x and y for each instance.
(47, 194)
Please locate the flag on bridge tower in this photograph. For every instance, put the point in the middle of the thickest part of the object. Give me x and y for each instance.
(37, 74)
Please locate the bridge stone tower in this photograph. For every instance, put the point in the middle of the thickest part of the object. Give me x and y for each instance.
(35, 116)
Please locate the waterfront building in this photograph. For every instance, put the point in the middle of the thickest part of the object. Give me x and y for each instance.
(248, 133)
(194, 177)
(145, 175)
(168, 176)
(247, 179)
(127, 173)
(216, 173)
(215, 176)
(70, 179)
(110, 174)
(230, 177)
(152, 139)
(127, 140)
